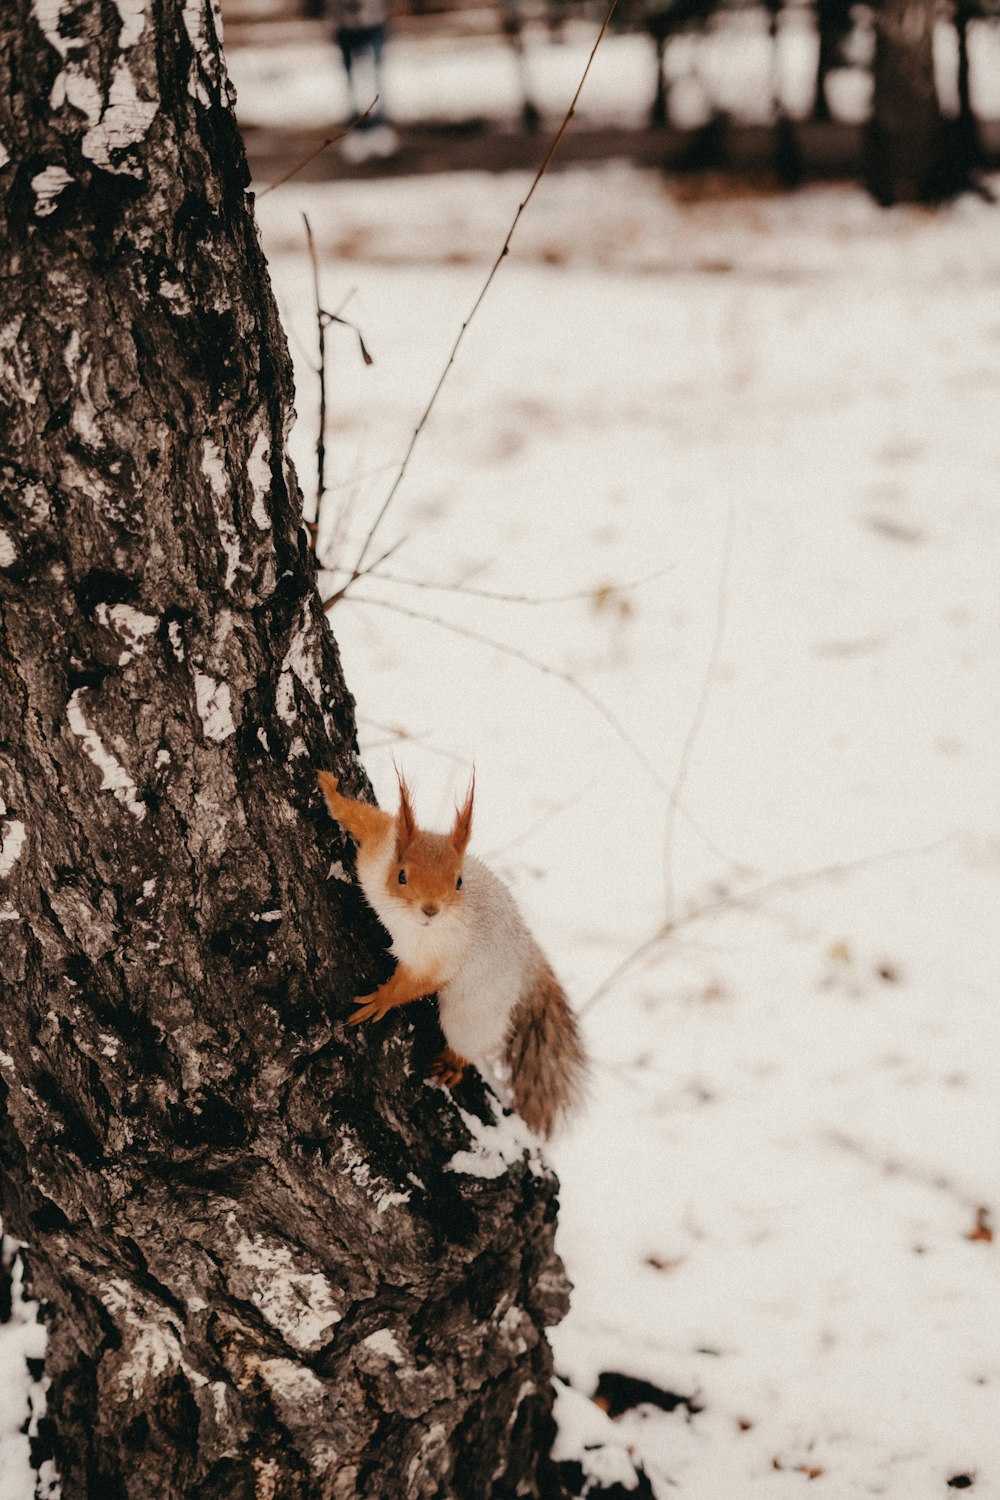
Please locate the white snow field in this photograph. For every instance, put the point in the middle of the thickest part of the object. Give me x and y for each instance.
(781, 414)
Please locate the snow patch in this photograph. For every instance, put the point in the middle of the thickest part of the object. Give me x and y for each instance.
(176, 639)
(114, 777)
(299, 1304)
(494, 1148)
(383, 1341)
(11, 845)
(130, 623)
(214, 702)
(587, 1435)
(298, 662)
(214, 469)
(46, 187)
(391, 1200)
(172, 291)
(12, 366)
(259, 475)
(84, 411)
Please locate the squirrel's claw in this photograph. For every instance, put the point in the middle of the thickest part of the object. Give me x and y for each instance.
(447, 1068)
(372, 1010)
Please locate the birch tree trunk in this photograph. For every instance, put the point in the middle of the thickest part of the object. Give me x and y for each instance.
(905, 149)
(260, 1278)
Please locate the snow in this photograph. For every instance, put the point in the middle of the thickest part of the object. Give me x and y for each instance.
(588, 1436)
(780, 413)
(259, 475)
(300, 1304)
(131, 624)
(384, 1341)
(298, 663)
(11, 844)
(47, 186)
(783, 406)
(20, 1340)
(494, 1148)
(114, 776)
(214, 703)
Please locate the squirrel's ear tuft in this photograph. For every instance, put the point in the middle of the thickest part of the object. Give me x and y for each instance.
(407, 822)
(462, 831)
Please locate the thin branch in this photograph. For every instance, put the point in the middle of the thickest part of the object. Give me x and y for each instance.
(330, 141)
(479, 300)
(697, 719)
(321, 327)
(747, 900)
(367, 572)
(502, 598)
(531, 661)
(541, 820)
(395, 735)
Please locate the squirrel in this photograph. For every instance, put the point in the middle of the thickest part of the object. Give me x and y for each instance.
(457, 932)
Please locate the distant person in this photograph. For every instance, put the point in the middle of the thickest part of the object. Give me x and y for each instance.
(360, 29)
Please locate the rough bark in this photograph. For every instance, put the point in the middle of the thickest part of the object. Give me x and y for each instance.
(905, 148)
(259, 1275)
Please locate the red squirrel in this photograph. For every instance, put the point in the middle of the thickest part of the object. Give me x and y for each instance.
(456, 931)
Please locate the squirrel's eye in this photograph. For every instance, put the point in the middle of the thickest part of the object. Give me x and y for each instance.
(458, 883)
(402, 877)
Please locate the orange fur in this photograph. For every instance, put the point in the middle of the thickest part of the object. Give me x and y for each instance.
(362, 820)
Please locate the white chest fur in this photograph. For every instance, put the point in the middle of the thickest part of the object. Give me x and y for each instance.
(432, 946)
(480, 951)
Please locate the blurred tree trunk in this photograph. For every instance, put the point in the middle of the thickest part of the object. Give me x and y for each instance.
(260, 1280)
(905, 152)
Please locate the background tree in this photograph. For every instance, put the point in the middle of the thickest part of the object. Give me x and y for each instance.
(259, 1276)
(906, 148)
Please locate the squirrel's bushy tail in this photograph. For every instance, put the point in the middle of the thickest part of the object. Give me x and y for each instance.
(546, 1062)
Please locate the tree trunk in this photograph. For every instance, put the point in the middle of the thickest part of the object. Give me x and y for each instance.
(905, 159)
(260, 1278)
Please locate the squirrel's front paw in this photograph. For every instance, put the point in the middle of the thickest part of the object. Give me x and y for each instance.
(447, 1068)
(373, 1009)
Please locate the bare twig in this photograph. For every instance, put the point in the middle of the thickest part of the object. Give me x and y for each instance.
(541, 820)
(321, 372)
(476, 306)
(395, 734)
(748, 900)
(501, 598)
(697, 719)
(544, 667)
(369, 571)
(330, 141)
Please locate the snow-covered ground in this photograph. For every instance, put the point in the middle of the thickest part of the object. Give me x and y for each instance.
(785, 408)
(780, 415)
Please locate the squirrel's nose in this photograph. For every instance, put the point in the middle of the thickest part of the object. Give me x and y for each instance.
(429, 911)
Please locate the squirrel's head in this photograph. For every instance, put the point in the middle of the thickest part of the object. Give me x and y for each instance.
(425, 873)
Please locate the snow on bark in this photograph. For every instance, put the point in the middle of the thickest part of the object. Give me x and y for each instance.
(114, 777)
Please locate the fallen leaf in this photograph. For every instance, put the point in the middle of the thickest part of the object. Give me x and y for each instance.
(982, 1230)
